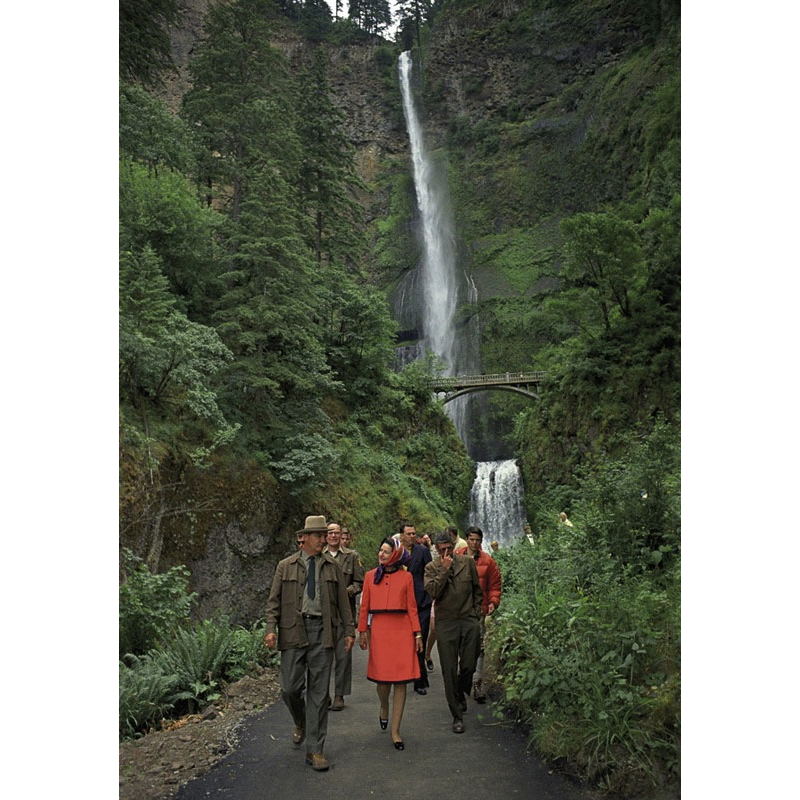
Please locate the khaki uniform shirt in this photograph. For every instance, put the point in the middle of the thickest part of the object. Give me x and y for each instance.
(350, 563)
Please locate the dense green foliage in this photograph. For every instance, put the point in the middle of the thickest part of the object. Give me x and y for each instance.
(250, 325)
(567, 203)
(151, 606)
(587, 638)
(254, 329)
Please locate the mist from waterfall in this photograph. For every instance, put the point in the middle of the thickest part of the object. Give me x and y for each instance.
(427, 301)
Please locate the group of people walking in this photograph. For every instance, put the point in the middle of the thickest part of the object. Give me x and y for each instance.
(417, 592)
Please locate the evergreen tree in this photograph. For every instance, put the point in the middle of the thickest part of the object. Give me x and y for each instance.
(239, 103)
(166, 363)
(313, 17)
(151, 134)
(271, 315)
(361, 337)
(359, 332)
(328, 179)
(273, 307)
(160, 210)
(412, 15)
(372, 16)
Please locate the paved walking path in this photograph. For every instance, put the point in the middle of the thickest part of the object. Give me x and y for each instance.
(488, 761)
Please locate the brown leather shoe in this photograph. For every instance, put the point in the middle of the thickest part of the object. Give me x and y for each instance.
(338, 703)
(317, 761)
(478, 693)
(458, 726)
(299, 735)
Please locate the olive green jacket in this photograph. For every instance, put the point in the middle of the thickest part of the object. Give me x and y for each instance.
(285, 603)
(455, 592)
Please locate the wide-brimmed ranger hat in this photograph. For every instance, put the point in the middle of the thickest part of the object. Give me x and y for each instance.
(314, 525)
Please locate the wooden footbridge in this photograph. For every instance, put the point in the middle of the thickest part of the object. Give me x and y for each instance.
(452, 386)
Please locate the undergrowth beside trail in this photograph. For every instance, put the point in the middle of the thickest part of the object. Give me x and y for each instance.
(587, 638)
(169, 667)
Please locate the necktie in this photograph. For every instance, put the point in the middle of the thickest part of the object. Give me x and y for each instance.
(311, 585)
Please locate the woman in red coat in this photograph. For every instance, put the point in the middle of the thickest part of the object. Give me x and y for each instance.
(389, 613)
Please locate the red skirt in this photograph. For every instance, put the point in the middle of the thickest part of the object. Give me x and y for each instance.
(392, 649)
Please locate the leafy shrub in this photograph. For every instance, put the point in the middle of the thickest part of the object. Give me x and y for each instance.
(150, 606)
(588, 635)
(189, 671)
(248, 652)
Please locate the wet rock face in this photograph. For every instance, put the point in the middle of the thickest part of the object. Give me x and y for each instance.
(247, 528)
(478, 69)
(229, 524)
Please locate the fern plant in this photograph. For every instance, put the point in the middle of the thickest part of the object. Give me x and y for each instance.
(199, 657)
(146, 694)
(248, 652)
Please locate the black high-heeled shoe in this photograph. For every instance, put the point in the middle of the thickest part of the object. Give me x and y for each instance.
(384, 723)
(398, 745)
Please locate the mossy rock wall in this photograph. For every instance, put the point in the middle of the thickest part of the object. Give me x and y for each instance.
(230, 524)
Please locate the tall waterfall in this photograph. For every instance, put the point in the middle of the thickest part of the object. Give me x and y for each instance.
(437, 286)
(428, 301)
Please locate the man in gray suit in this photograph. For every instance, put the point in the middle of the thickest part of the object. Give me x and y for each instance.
(307, 606)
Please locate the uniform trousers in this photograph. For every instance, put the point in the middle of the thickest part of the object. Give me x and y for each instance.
(308, 668)
(458, 642)
(343, 668)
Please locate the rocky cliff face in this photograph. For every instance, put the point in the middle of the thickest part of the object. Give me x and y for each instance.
(356, 78)
(478, 68)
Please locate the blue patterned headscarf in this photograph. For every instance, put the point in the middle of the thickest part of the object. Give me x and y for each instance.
(399, 558)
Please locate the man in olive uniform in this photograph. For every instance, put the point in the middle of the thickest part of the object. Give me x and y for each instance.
(307, 606)
(350, 563)
(452, 582)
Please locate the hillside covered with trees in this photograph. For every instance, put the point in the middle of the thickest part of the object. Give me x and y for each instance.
(267, 215)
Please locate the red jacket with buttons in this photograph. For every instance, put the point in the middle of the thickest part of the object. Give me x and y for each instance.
(488, 577)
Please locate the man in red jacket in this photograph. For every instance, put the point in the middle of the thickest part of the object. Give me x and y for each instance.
(491, 585)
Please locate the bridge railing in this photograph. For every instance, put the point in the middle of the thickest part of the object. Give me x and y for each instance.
(450, 382)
